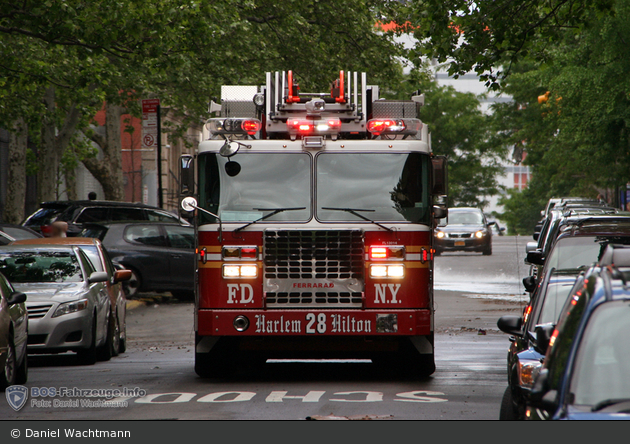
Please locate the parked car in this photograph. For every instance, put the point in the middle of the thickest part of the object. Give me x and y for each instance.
(161, 256)
(79, 212)
(466, 230)
(98, 256)
(585, 374)
(10, 233)
(525, 355)
(68, 303)
(13, 335)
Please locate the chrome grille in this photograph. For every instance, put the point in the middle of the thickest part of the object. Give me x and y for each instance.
(38, 311)
(311, 254)
(319, 297)
(460, 235)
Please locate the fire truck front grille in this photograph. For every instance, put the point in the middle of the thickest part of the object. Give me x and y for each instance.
(311, 254)
(297, 298)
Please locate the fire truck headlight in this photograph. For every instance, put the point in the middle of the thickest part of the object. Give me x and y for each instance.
(249, 271)
(439, 234)
(395, 271)
(479, 234)
(231, 271)
(240, 323)
(378, 271)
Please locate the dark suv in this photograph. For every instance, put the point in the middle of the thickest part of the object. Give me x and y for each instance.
(79, 212)
(467, 229)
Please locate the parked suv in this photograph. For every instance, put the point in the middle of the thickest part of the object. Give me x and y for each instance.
(585, 374)
(79, 212)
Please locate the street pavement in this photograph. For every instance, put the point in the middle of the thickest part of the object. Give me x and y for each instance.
(472, 292)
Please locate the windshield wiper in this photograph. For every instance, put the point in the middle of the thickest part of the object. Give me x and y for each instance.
(274, 211)
(608, 402)
(355, 211)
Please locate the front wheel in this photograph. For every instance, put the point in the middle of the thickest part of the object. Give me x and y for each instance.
(134, 284)
(508, 411)
(88, 356)
(104, 352)
(7, 377)
(22, 371)
(488, 251)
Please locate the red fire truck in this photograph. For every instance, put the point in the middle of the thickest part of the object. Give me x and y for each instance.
(314, 215)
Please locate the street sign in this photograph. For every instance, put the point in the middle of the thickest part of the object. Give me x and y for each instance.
(150, 122)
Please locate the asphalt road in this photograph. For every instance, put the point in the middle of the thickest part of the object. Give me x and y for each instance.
(472, 292)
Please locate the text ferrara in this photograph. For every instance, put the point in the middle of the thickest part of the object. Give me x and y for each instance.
(76, 433)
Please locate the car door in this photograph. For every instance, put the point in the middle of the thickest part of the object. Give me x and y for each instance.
(148, 253)
(181, 240)
(99, 296)
(17, 313)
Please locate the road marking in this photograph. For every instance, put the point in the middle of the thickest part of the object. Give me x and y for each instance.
(278, 396)
(240, 397)
(369, 396)
(415, 396)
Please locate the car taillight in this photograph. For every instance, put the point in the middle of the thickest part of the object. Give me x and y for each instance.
(46, 230)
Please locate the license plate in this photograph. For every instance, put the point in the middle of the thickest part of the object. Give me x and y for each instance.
(460, 243)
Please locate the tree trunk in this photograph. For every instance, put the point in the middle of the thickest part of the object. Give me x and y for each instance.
(48, 159)
(16, 183)
(108, 171)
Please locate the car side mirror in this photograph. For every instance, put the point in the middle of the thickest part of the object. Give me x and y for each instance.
(121, 276)
(541, 397)
(543, 335)
(98, 276)
(502, 229)
(17, 297)
(512, 325)
(529, 283)
(440, 211)
(531, 246)
(536, 235)
(535, 257)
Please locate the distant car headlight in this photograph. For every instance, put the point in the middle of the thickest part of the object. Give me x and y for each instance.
(70, 307)
(527, 372)
(479, 234)
(439, 234)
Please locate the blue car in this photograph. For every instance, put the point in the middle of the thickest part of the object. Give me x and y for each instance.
(585, 374)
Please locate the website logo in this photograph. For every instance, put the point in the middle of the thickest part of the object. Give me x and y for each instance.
(17, 395)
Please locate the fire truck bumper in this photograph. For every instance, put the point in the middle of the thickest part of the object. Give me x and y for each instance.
(314, 323)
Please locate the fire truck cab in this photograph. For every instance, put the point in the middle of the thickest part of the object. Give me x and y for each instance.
(314, 215)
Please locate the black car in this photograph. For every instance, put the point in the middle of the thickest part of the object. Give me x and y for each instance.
(10, 233)
(161, 256)
(585, 374)
(467, 230)
(79, 212)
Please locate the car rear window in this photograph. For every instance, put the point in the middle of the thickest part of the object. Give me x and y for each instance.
(157, 216)
(145, 234)
(128, 214)
(45, 216)
(40, 266)
(96, 214)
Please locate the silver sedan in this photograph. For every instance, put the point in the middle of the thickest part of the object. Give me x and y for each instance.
(68, 301)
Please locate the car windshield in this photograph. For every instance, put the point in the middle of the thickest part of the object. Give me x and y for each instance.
(92, 253)
(554, 299)
(580, 251)
(40, 266)
(265, 182)
(465, 218)
(386, 187)
(602, 364)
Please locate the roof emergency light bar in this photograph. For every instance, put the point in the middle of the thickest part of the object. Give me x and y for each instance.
(230, 125)
(394, 126)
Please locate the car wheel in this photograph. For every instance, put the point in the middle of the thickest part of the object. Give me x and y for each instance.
(22, 372)
(487, 251)
(122, 346)
(508, 412)
(116, 339)
(134, 283)
(88, 356)
(7, 377)
(104, 352)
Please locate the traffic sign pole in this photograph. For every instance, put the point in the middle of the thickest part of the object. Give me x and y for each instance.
(159, 158)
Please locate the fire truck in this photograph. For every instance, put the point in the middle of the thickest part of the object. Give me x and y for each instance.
(314, 215)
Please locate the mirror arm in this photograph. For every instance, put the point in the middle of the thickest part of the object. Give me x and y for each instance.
(218, 218)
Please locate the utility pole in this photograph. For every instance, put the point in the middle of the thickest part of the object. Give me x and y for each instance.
(159, 157)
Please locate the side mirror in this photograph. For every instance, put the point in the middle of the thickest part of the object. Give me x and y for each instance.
(529, 283)
(17, 297)
(440, 211)
(98, 276)
(541, 397)
(531, 246)
(502, 229)
(122, 275)
(535, 257)
(512, 325)
(536, 235)
(543, 334)
(440, 176)
(186, 175)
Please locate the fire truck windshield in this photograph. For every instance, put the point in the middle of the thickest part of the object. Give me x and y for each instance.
(392, 186)
(265, 181)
